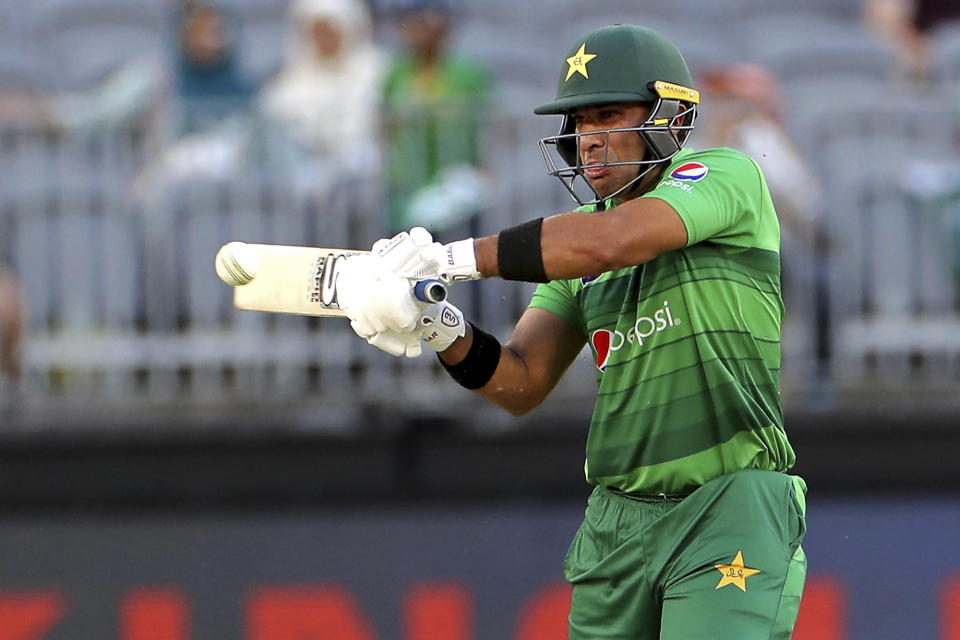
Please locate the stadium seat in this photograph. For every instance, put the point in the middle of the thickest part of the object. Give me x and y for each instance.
(87, 40)
(854, 54)
(945, 54)
(23, 71)
(262, 45)
(844, 9)
(889, 260)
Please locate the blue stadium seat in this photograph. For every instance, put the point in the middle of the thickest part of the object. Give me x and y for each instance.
(853, 54)
(262, 46)
(89, 39)
(945, 54)
(24, 72)
(845, 9)
(888, 262)
(762, 33)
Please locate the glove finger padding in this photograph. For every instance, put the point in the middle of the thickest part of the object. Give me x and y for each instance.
(395, 304)
(421, 237)
(374, 298)
(411, 255)
(362, 328)
(397, 344)
(441, 324)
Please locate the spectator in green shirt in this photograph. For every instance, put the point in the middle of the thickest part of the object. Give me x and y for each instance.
(433, 100)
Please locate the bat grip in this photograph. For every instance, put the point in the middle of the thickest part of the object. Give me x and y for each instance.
(430, 291)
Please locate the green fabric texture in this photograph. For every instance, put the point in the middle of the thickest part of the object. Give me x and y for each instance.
(687, 346)
(637, 576)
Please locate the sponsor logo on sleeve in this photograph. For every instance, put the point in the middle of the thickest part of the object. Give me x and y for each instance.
(690, 172)
(684, 176)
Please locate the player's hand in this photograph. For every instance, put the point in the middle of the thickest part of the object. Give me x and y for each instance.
(376, 299)
(396, 343)
(414, 254)
(440, 325)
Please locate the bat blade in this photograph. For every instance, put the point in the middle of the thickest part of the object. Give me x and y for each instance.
(299, 280)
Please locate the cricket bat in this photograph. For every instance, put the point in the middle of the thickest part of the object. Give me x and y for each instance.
(298, 280)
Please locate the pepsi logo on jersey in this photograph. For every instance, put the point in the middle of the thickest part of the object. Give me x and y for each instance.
(606, 341)
(690, 171)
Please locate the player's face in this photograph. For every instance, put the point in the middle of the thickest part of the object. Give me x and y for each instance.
(623, 146)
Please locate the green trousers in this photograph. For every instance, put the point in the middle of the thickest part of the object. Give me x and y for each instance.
(722, 562)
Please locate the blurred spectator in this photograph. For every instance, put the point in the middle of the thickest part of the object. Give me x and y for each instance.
(746, 113)
(11, 318)
(125, 96)
(209, 84)
(325, 97)
(209, 103)
(906, 24)
(934, 184)
(434, 104)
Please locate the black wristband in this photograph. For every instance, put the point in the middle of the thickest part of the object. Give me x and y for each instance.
(519, 255)
(477, 367)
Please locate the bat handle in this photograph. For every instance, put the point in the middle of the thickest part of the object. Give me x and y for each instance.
(430, 291)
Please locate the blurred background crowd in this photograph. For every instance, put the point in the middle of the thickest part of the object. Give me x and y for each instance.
(138, 136)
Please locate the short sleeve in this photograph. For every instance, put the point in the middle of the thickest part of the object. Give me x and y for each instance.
(721, 196)
(559, 298)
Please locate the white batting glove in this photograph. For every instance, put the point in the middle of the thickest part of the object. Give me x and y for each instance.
(409, 254)
(396, 343)
(374, 298)
(415, 255)
(440, 325)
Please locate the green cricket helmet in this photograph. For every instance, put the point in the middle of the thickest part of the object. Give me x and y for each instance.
(620, 64)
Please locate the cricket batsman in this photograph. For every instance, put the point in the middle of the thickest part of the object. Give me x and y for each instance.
(670, 271)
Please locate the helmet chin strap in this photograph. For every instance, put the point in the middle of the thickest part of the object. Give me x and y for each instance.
(643, 169)
(633, 183)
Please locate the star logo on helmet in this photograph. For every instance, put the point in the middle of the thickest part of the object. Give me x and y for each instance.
(578, 62)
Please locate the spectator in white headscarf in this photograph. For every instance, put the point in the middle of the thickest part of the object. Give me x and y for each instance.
(326, 95)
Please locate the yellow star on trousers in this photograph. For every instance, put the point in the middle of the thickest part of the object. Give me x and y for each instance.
(735, 573)
(578, 62)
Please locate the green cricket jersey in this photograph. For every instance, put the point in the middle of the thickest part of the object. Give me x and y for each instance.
(687, 346)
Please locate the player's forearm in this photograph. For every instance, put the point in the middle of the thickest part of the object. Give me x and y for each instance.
(573, 245)
(511, 387)
(570, 244)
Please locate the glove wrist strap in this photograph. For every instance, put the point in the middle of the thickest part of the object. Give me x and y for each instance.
(459, 262)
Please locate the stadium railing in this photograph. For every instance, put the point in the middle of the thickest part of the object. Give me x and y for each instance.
(125, 315)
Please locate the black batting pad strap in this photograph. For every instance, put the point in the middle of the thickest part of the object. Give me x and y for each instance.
(476, 369)
(519, 256)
